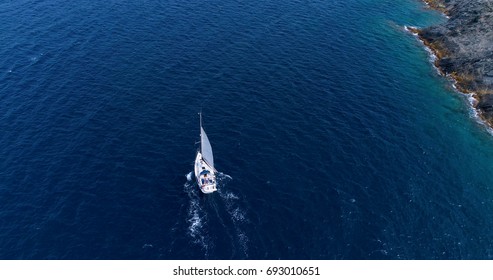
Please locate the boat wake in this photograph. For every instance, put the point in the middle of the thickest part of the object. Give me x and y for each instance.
(197, 217)
(228, 209)
(235, 211)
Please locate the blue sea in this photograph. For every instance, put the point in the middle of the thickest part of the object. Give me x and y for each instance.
(334, 136)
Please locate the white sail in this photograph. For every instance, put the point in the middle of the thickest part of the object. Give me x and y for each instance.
(206, 148)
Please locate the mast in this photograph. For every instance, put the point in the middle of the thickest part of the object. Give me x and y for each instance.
(200, 114)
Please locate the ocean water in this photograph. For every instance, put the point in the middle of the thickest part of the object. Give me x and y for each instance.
(334, 135)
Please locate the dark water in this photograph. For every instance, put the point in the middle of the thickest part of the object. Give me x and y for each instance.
(336, 137)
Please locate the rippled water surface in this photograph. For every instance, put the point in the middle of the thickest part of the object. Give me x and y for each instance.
(334, 135)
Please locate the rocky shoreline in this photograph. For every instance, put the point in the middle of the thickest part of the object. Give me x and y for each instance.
(463, 47)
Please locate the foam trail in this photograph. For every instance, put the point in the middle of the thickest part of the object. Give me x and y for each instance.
(237, 214)
(197, 218)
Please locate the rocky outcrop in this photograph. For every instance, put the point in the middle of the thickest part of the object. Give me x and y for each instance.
(464, 48)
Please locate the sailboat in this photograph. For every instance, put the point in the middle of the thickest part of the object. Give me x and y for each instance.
(205, 173)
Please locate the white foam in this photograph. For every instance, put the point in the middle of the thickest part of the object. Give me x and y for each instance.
(194, 220)
(238, 215)
(189, 176)
(233, 207)
(222, 176)
(473, 102)
(408, 28)
(230, 195)
(244, 243)
(432, 58)
(431, 55)
(196, 217)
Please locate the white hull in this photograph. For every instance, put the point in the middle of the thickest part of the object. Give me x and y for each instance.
(205, 175)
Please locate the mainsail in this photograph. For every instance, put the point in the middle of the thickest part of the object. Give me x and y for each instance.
(205, 148)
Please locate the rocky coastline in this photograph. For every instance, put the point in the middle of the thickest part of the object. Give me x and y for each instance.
(463, 47)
